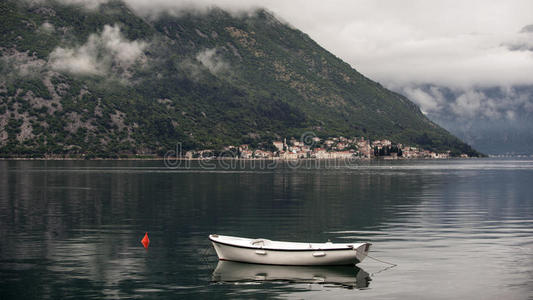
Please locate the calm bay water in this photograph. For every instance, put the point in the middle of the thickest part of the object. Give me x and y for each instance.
(457, 228)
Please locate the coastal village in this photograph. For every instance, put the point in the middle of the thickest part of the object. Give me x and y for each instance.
(329, 148)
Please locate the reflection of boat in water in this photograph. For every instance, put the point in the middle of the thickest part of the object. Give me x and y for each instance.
(263, 251)
(236, 272)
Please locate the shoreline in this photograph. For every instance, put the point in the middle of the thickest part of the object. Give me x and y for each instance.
(222, 159)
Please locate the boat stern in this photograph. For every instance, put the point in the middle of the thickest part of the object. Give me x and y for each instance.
(362, 251)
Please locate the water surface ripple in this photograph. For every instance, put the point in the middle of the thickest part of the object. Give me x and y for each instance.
(455, 228)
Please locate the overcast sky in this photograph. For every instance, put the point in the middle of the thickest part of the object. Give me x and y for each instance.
(451, 43)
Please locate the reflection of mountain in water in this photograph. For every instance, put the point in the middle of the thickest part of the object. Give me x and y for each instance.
(344, 276)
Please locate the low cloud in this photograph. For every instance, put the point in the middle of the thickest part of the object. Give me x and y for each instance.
(99, 54)
(46, 28)
(430, 100)
(470, 104)
(523, 41)
(80, 60)
(212, 60)
(89, 4)
(156, 7)
(527, 29)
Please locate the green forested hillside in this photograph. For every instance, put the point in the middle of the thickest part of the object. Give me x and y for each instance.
(107, 82)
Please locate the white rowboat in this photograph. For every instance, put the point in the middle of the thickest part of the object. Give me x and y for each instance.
(263, 251)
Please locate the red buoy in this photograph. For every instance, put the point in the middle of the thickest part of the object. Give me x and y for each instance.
(145, 241)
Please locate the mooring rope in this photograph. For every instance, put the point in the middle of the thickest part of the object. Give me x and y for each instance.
(382, 261)
(391, 265)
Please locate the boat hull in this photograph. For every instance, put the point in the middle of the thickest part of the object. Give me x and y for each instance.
(315, 257)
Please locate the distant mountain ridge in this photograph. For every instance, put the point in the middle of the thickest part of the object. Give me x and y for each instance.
(504, 130)
(108, 82)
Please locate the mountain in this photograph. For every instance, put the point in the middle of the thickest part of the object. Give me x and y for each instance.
(107, 81)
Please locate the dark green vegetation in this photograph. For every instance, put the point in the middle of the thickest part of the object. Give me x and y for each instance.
(206, 81)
